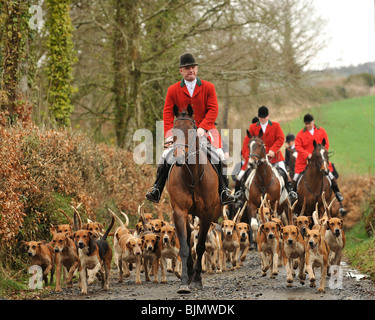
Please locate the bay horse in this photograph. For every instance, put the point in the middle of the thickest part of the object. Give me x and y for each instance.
(193, 188)
(264, 181)
(314, 182)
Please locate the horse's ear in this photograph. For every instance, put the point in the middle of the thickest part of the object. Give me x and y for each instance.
(314, 143)
(248, 133)
(176, 111)
(324, 142)
(260, 133)
(190, 110)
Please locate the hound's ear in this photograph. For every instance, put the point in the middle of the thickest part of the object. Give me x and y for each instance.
(157, 239)
(176, 111)
(53, 230)
(248, 134)
(190, 110)
(85, 226)
(342, 223)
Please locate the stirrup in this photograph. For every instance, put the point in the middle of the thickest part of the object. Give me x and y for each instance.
(339, 196)
(151, 197)
(293, 196)
(230, 198)
(343, 212)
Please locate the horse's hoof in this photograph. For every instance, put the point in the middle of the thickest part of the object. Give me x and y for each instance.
(184, 289)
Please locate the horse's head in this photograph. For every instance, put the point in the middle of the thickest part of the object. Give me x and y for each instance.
(320, 157)
(184, 135)
(257, 150)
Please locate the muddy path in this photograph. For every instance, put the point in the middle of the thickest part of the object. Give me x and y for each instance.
(245, 283)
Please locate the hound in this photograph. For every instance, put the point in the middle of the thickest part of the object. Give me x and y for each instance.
(92, 254)
(42, 255)
(317, 253)
(268, 240)
(66, 257)
(169, 249)
(131, 252)
(293, 248)
(151, 254)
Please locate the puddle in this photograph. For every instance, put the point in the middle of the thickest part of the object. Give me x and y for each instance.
(352, 273)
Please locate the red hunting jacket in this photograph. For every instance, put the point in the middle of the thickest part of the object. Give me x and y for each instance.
(304, 146)
(204, 103)
(273, 139)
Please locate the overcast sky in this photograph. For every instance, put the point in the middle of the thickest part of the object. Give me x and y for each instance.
(350, 31)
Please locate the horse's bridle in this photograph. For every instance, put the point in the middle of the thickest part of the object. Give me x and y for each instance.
(190, 143)
(319, 163)
(187, 154)
(260, 160)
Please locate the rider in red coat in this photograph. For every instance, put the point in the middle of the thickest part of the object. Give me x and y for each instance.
(201, 96)
(305, 147)
(273, 138)
(203, 102)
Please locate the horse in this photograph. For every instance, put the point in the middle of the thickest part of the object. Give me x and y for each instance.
(292, 160)
(263, 181)
(314, 182)
(193, 189)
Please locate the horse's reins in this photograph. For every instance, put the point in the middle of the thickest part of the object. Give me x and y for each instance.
(194, 180)
(260, 160)
(317, 195)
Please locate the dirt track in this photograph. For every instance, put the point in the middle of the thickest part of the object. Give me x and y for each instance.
(245, 283)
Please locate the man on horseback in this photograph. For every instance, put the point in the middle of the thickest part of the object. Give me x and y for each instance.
(273, 138)
(304, 146)
(201, 95)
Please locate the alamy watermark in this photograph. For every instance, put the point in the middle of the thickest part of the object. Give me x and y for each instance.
(36, 279)
(143, 153)
(36, 22)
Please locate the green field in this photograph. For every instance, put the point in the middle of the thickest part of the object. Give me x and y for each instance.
(350, 125)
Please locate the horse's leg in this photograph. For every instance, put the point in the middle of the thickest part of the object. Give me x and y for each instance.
(253, 222)
(197, 279)
(181, 229)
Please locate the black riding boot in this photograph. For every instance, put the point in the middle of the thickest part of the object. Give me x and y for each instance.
(336, 190)
(224, 192)
(239, 194)
(293, 196)
(338, 195)
(154, 193)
